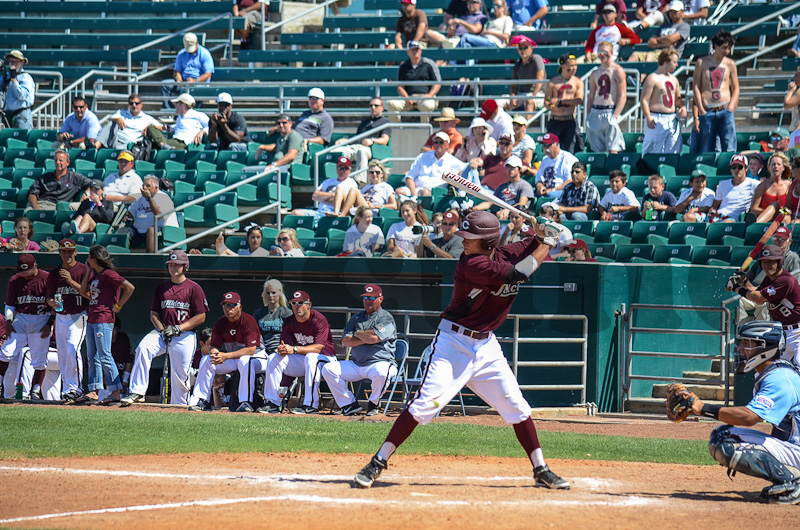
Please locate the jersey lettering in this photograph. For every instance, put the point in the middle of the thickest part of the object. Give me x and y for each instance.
(182, 315)
(303, 340)
(604, 86)
(507, 290)
(667, 98)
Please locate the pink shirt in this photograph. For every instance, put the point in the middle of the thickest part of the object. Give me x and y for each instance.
(104, 288)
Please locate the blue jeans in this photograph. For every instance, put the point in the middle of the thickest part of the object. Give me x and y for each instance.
(22, 120)
(719, 124)
(796, 45)
(576, 216)
(101, 363)
(474, 41)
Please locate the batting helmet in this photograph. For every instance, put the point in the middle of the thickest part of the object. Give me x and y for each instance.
(481, 225)
(179, 257)
(772, 253)
(757, 341)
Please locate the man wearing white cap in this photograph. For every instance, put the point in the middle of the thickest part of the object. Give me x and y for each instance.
(516, 192)
(428, 168)
(420, 97)
(19, 88)
(189, 128)
(315, 124)
(227, 129)
(672, 34)
(194, 64)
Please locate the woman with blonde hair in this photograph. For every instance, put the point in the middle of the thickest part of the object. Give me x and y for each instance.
(401, 239)
(363, 238)
(376, 194)
(770, 195)
(287, 245)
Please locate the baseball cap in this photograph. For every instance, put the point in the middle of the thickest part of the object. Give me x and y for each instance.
(780, 131)
(412, 44)
(519, 118)
(488, 108)
(96, 184)
(372, 290)
(441, 135)
(344, 161)
(516, 40)
(231, 298)
(783, 232)
(224, 97)
(771, 252)
(480, 225)
(506, 137)
(284, 117)
(125, 155)
(759, 156)
(450, 216)
(697, 173)
(549, 139)
(67, 244)
(412, 2)
(25, 262)
(738, 159)
(316, 93)
(577, 243)
(610, 7)
(676, 5)
(514, 161)
(186, 99)
(301, 296)
(16, 54)
(190, 42)
(179, 257)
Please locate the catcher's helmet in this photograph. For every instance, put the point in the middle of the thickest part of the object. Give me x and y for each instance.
(758, 341)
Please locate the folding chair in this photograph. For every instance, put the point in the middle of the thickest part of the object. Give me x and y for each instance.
(400, 355)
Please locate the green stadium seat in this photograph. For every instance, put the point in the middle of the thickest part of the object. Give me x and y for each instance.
(605, 229)
(249, 193)
(94, 174)
(602, 250)
(17, 134)
(653, 160)
(61, 217)
(47, 135)
(702, 254)
(314, 244)
(723, 163)
(80, 166)
(172, 234)
(44, 236)
(708, 170)
(325, 224)
(216, 176)
(164, 155)
(739, 255)
(13, 143)
(298, 221)
(76, 153)
(666, 171)
(389, 216)
(716, 231)
(642, 229)
(9, 195)
(12, 155)
(625, 253)
(223, 213)
(285, 194)
(631, 139)
(753, 233)
(712, 181)
(335, 242)
(230, 156)
(106, 154)
(679, 230)
(689, 161)
(102, 228)
(117, 240)
(193, 157)
(236, 243)
(44, 216)
(595, 161)
(185, 175)
(144, 167)
(580, 227)
(601, 182)
(638, 184)
(672, 254)
(86, 240)
(301, 175)
(114, 249)
(396, 180)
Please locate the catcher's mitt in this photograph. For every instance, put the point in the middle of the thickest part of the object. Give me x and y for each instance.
(49, 245)
(16, 244)
(679, 402)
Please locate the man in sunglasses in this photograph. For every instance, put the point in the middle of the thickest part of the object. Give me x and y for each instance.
(446, 245)
(332, 192)
(80, 127)
(361, 152)
(529, 66)
(315, 124)
(428, 168)
(514, 191)
(733, 196)
(288, 147)
(371, 335)
(778, 142)
(127, 126)
(306, 342)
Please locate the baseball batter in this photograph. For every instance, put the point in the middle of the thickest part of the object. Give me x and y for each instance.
(234, 339)
(28, 323)
(607, 99)
(63, 295)
(179, 306)
(662, 106)
(465, 350)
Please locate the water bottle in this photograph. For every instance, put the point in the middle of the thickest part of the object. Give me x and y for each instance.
(59, 302)
(648, 211)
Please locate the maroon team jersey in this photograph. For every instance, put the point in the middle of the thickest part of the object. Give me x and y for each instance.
(73, 302)
(315, 330)
(28, 297)
(230, 336)
(485, 288)
(783, 298)
(175, 303)
(104, 288)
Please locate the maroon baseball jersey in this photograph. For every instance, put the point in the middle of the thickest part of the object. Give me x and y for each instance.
(73, 302)
(230, 336)
(485, 288)
(783, 298)
(176, 303)
(315, 330)
(28, 296)
(104, 288)
(3, 333)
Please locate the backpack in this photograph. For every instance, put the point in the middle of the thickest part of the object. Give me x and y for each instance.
(166, 185)
(143, 149)
(462, 89)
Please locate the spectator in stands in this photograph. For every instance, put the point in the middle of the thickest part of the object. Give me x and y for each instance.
(672, 34)
(401, 241)
(227, 129)
(447, 123)
(695, 202)
(251, 11)
(492, 170)
(562, 96)
(446, 244)
(331, 202)
(360, 153)
(770, 195)
(190, 127)
(416, 68)
(92, 210)
(649, 13)
(471, 23)
(142, 213)
(607, 97)
(580, 196)
(60, 185)
(551, 212)
(23, 232)
(80, 127)
(527, 96)
(194, 64)
(524, 146)
(498, 118)
(495, 33)
(716, 94)
(363, 238)
(20, 90)
(618, 200)
(663, 107)
(795, 49)
(125, 184)
(793, 199)
(527, 14)
(287, 244)
(479, 144)
(579, 251)
(779, 143)
(315, 124)
(127, 126)
(412, 24)
(514, 191)
(656, 202)
(427, 170)
(288, 148)
(733, 196)
(555, 169)
(375, 195)
(619, 5)
(612, 32)
(254, 237)
(696, 11)
(516, 229)
(755, 166)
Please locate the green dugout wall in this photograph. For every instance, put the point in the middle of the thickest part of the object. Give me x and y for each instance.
(596, 291)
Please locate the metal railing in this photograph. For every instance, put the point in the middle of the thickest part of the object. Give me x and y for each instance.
(265, 30)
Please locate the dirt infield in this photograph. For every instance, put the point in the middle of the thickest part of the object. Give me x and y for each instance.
(306, 490)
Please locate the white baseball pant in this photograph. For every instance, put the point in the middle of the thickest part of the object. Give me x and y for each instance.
(207, 371)
(27, 332)
(666, 137)
(603, 132)
(181, 351)
(21, 371)
(792, 351)
(338, 374)
(70, 332)
(295, 365)
(251, 367)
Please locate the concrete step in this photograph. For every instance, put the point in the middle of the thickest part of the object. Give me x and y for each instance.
(654, 405)
(707, 375)
(704, 392)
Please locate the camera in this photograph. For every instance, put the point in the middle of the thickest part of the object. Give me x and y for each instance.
(424, 229)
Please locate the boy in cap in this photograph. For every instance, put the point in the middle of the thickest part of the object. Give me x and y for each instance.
(695, 202)
(20, 90)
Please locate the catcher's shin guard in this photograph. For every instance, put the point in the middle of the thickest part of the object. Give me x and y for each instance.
(750, 459)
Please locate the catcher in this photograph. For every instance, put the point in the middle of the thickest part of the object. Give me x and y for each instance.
(776, 400)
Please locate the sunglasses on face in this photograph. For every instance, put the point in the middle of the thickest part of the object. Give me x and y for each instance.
(369, 298)
(295, 303)
(577, 171)
(134, 103)
(524, 48)
(438, 142)
(504, 143)
(375, 172)
(737, 167)
(374, 105)
(775, 138)
(229, 306)
(282, 122)
(448, 224)
(342, 168)
(282, 239)
(79, 106)
(313, 99)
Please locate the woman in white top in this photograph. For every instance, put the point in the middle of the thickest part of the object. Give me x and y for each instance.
(363, 238)
(495, 33)
(401, 241)
(479, 142)
(376, 194)
(254, 237)
(524, 145)
(287, 245)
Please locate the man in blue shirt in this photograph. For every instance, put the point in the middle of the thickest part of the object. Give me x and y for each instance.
(194, 64)
(80, 128)
(19, 88)
(527, 14)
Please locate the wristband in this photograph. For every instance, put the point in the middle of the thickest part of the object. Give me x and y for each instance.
(743, 291)
(295, 349)
(710, 411)
(118, 306)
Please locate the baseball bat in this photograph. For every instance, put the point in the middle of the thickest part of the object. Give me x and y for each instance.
(165, 375)
(763, 241)
(480, 192)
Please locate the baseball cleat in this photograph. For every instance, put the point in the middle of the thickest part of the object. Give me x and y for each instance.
(366, 477)
(787, 493)
(202, 405)
(373, 409)
(130, 399)
(351, 409)
(36, 393)
(245, 407)
(269, 408)
(545, 477)
(305, 409)
(70, 397)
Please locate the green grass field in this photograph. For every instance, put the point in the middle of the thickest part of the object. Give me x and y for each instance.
(35, 432)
